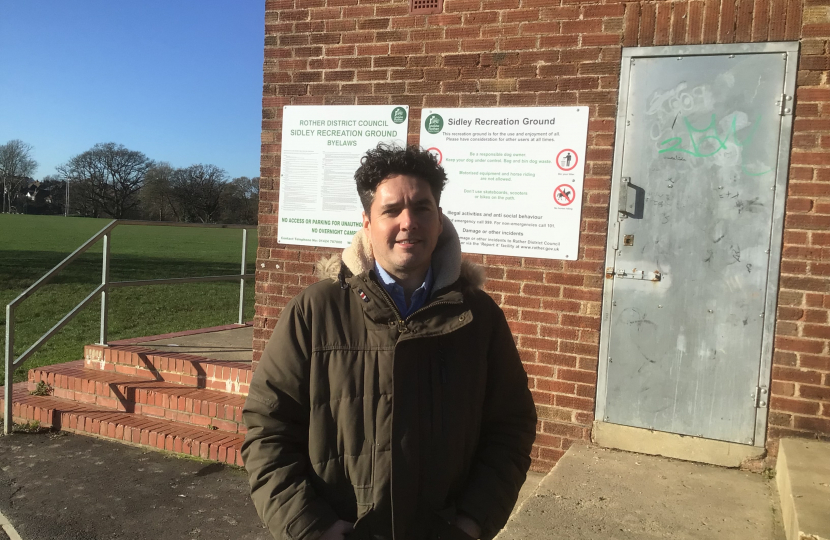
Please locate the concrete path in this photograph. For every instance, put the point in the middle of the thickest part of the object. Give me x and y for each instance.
(803, 480)
(68, 487)
(234, 344)
(596, 493)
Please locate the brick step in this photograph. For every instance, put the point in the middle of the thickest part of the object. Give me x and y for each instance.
(186, 369)
(86, 418)
(127, 393)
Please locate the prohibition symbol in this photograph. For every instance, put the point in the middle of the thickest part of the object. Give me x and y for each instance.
(437, 153)
(566, 159)
(564, 195)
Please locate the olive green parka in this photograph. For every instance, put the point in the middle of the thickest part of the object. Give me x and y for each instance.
(357, 414)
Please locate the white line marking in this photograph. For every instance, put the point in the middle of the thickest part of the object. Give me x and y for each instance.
(9, 528)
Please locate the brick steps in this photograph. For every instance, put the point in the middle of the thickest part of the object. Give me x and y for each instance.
(188, 369)
(127, 393)
(176, 402)
(86, 418)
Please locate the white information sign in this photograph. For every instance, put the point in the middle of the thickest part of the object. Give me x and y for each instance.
(515, 177)
(321, 150)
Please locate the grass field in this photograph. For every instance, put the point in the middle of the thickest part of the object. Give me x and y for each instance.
(31, 245)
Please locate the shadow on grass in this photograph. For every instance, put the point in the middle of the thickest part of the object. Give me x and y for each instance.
(19, 269)
(133, 311)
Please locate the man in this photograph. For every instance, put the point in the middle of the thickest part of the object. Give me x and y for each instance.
(390, 401)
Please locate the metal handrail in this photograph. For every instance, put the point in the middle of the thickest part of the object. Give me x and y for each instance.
(103, 290)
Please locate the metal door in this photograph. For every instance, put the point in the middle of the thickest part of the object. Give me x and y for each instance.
(694, 238)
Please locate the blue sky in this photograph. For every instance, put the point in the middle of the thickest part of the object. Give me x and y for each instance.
(180, 80)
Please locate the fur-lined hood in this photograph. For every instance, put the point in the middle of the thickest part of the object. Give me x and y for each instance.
(447, 264)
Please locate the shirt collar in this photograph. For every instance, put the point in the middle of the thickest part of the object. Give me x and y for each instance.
(419, 296)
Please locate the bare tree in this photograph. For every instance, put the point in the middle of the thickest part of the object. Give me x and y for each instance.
(84, 199)
(16, 167)
(240, 201)
(197, 191)
(156, 193)
(106, 179)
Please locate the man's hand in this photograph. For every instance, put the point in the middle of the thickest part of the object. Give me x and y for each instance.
(338, 531)
(468, 526)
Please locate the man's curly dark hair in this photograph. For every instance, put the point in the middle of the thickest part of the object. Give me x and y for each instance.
(389, 160)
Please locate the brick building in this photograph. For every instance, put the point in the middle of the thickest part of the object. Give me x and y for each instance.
(508, 53)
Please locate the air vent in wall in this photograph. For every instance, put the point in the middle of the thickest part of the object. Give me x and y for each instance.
(426, 7)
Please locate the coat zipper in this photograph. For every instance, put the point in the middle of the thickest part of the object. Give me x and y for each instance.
(399, 319)
(437, 402)
(443, 362)
(435, 389)
(442, 367)
(436, 393)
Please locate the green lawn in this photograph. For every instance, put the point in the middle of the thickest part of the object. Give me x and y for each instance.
(31, 245)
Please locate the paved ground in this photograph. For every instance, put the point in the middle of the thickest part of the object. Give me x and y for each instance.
(60, 486)
(596, 493)
(69, 487)
(229, 345)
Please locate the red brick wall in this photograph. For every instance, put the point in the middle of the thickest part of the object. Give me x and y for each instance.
(800, 403)
(494, 53)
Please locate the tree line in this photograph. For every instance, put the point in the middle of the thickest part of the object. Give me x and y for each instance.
(110, 180)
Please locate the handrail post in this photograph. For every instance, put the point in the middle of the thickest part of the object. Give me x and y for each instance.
(7, 414)
(242, 279)
(105, 278)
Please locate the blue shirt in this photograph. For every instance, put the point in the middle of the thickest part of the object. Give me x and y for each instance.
(418, 298)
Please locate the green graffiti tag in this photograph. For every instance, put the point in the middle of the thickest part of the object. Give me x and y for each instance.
(702, 149)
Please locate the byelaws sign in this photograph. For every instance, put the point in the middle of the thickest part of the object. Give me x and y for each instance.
(321, 149)
(515, 177)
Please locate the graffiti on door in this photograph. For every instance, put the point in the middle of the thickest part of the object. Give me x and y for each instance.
(708, 141)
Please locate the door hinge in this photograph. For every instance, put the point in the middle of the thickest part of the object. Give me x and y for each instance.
(761, 397)
(784, 105)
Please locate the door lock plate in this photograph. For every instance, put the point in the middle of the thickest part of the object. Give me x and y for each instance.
(637, 274)
(622, 201)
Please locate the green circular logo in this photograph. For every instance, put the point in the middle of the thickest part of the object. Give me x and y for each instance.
(398, 115)
(434, 123)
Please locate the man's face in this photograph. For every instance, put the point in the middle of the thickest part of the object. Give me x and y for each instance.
(404, 226)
